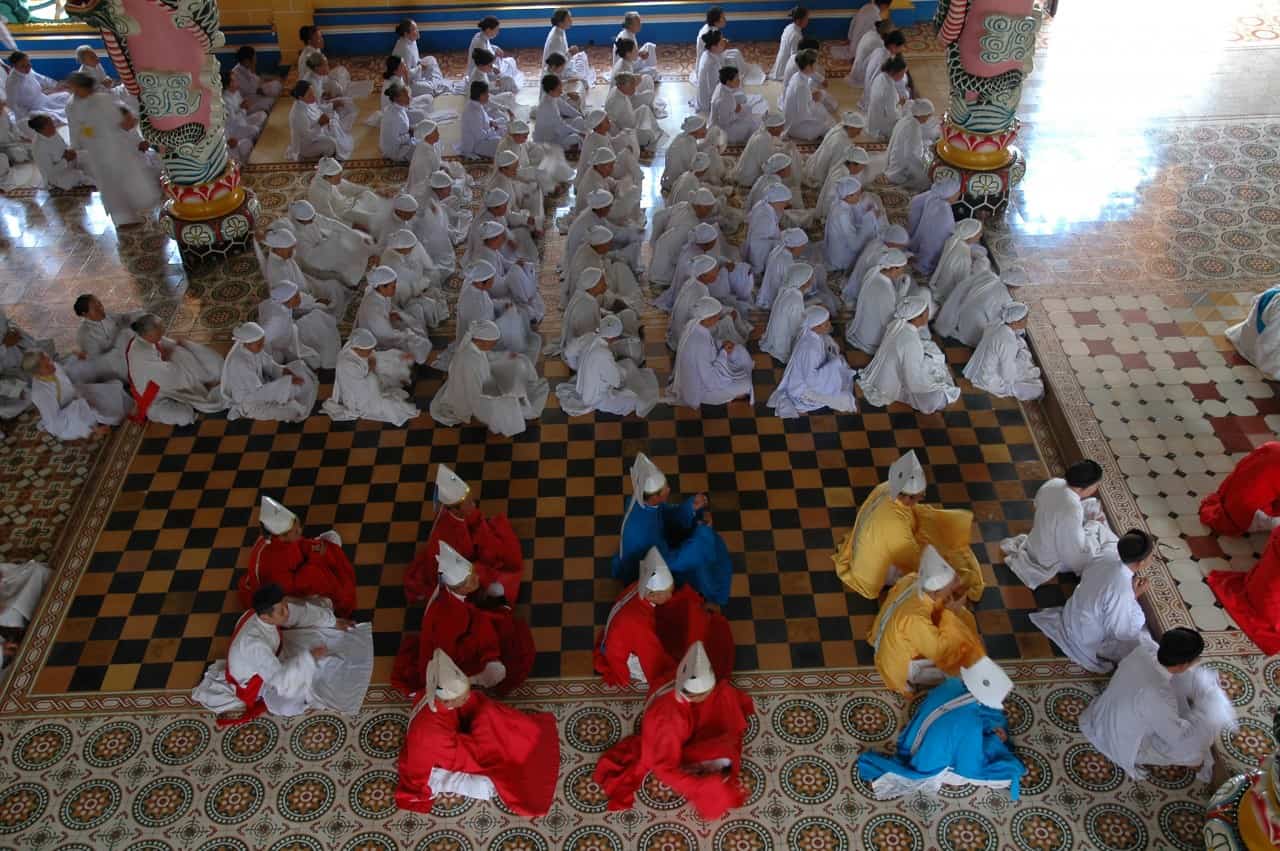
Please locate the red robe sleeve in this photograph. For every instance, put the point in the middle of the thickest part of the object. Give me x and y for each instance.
(684, 619)
(518, 751)
(1253, 598)
(1254, 485)
(668, 741)
(431, 741)
(303, 568)
(497, 554)
(452, 625)
(633, 630)
(515, 646)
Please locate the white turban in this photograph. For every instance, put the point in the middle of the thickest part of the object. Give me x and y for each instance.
(967, 229)
(596, 117)
(362, 338)
(921, 107)
(481, 270)
(492, 228)
(777, 194)
(896, 234)
(507, 158)
(485, 329)
(302, 211)
(281, 238)
(705, 233)
(610, 326)
(893, 258)
(847, 186)
(603, 156)
(1013, 311)
(706, 307)
(403, 238)
(425, 128)
(774, 118)
(798, 274)
(854, 119)
(600, 199)
(284, 291)
(856, 155)
(441, 180)
(704, 197)
(590, 276)
(248, 332)
(911, 307)
(815, 316)
(702, 264)
(518, 128)
(405, 204)
(776, 163)
(496, 198)
(380, 276)
(701, 162)
(794, 238)
(599, 235)
(328, 166)
(693, 124)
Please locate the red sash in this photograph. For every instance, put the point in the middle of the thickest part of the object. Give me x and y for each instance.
(141, 402)
(249, 694)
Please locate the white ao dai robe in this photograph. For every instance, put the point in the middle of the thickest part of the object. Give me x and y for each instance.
(500, 389)
(807, 119)
(972, 307)
(309, 140)
(482, 129)
(33, 92)
(606, 382)
(1067, 533)
(103, 343)
(883, 107)
(873, 311)
(306, 333)
(129, 188)
(182, 379)
(255, 386)
(401, 332)
(71, 412)
(426, 161)
(848, 229)
(347, 202)
(58, 173)
(706, 374)
(557, 122)
(277, 270)
(628, 114)
(417, 286)
(21, 586)
(1002, 365)
(581, 320)
(328, 248)
(817, 376)
(908, 369)
(906, 154)
(577, 66)
(360, 392)
(787, 46)
(395, 136)
(786, 318)
(734, 114)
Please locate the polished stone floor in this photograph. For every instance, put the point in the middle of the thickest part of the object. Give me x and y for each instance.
(1148, 217)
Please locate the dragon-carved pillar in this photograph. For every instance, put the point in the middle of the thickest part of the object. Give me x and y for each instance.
(990, 45)
(163, 51)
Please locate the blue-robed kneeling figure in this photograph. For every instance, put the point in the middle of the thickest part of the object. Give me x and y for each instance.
(958, 736)
(693, 550)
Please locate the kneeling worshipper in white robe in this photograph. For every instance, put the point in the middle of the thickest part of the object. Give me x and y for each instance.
(418, 290)
(255, 386)
(427, 160)
(539, 163)
(343, 200)
(578, 65)
(646, 56)
(515, 279)
(694, 138)
(393, 328)
(520, 227)
(556, 121)
(172, 379)
(298, 328)
(101, 338)
(764, 226)
(817, 375)
(893, 237)
(1068, 530)
(1257, 338)
(603, 174)
(802, 103)
(878, 296)
(15, 383)
(781, 169)
(1102, 621)
(764, 143)
(884, 101)
(129, 189)
(71, 411)
(607, 382)
(57, 162)
(672, 227)
(476, 304)
(956, 262)
(628, 113)
(287, 656)
(369, 384)
(786, 318)
(590, 301)
(598, 253)
(907, 166)
(793, 248)
(280, 265)
(907, 367)
(332, 87)
(482, 124)
(1161, 708)
(705, 239)
(526, 193)
(715, 280)
(852, 164)
(315, 131)
(604, 133)
(709, 372)
(706, 71)
(838, 141)
(930, 221)
(435, 225)
(735, 114)
(849, 227)
(627, 240)
(395, 134)
(973, 306)
(500, 389)
(328, 248)
(1002, 364)
(21, 587)
(697, 177)
(29, 92)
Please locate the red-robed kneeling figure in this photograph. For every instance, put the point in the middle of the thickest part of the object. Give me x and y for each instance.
(481, 634)
(1248, 500)
(1253, 598)
(302, 567)
(487, 542)
(653, 624)
(460, 742)
(690, 738)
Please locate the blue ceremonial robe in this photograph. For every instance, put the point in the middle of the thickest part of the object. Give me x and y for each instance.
(961, 738)
(694, 552)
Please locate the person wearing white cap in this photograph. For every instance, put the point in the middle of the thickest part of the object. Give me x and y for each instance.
(734, 113)
(482, 123)
(298, 328)
(500, 389)
(923, 632)
(930, 220)
(604, 175)
(956, 262)
(782, 170)
(334, 196)
(628, 111)
(524, 191)
(764, 226)
(907, 166)
(690, 739)
(958, 736)
(101, 338)
(556, 121)
(515, 279)
(705, 238)
(817, 375)
(597, 252)
(315, 131)
(288, 656)
(849, 227)
(446, 221)
(808, 117)
(876, 301)
(764, 143)
(854, 163)
(627, 239)
(709, 277)
(786, 317)
(418, 293)
(602, 132)
(71, 410)
(973, 305)
(380, 314)
(427, 160)
(672, 226)
(172, 379)
(521, 230)
(686, 145)
(369, 384)
(908, 366)
(543, 164)
(697, 177)
(255, 386)
(883, 100)
(395, 133)
(279, 264)
(327, 247)
(332, 87)
(302, 567)
(794, 247)
(605, 381)
(708, 371)
(1257, 338)
(476, 303)
(893, 237)
(835, 144)
(1002, 364)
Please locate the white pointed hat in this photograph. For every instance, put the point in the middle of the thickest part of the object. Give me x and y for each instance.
(988, 682)
(445, 680)
(454, 569)
(451, 489)
(654, 573)
(275, 517)
(935, 573)
(906, 475)
(695, 674)
(646, 478)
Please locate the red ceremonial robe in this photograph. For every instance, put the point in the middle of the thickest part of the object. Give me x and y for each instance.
(675, 735)
(489, 543)
(660, 635)
(473, 637)
(302, 568)
(1254, 485)
(1253, 598)
(518, 751)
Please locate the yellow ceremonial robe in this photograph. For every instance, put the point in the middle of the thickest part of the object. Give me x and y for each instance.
(887, 534)
(912, 625)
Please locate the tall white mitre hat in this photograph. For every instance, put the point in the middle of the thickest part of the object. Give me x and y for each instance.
(454, 569)
(450, 487)
(654, 573)
(646, 478)
(988, 682)
(275, 517)
(445, 680)
(695, 674)
(906, 475)
(935, 573)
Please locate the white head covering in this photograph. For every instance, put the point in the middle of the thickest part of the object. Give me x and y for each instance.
(646, 478)
(425, 128)
(481, 270)
(328, 166)
(704, 197)
(1012, 277)
(405, 203)
(1013, 311)
(507, 158)
(302, 211)
(853, 119)
(798, 274)
(987, 682)
(911, 307)
(794, 238)
(705, 233)
(281, 238)
(590, 276)
(596, 117)
(403, 238)
(603, 156)
(896, 234)
(380, 276)
(857, 155)
(776, 163)
(921, 107)
(815, 316)
(450, 487)
(847, 186)
(774, 118)
(706, 307)
(610, 326)
(695, 674)
(693, 124)
(893, 258)
(600, 199)
(248, 332)
(654, 573)
(599, 235)
(362, 338)
(496, 197)
(967, 229)
(490, 229)
(906, 475)
(275, 517)
(701, 162)
(484, 329)
(935, 573)
(702, 264)
(284, 291)
(454, 569)
(777, 193)
(441, 180)
(445, 680)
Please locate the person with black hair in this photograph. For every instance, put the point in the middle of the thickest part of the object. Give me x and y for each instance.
(58, 163)
(627, 62)
(130, 190)
(556, 120)
(866, 18)
(1160, 708)
(425, 76)
(792, 68)
(708, 70)
(628, 112)
(243, 127)
(1068, 531)
(893, 43)
(871, 41)
(502, 89)
(573, 64)
(733, 112)
(885, 104)
(481, 129)
(314, 129)
(804, 104)
(790, 41)
(312, 43)
(332, 87)
(101, 338)
(29, 92)
(504, 65)
(259, 95)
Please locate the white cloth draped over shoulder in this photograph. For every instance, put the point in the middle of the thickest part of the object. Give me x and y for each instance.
(817, 376)
(500, 389)
(606, 382)
(1257, 338)
(187, 375)
(706, 373)
(371, 391)
(255, 386)
(1002, 365)
(71, 411)
(1067, 532)
(910, 369)
(306, 333)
